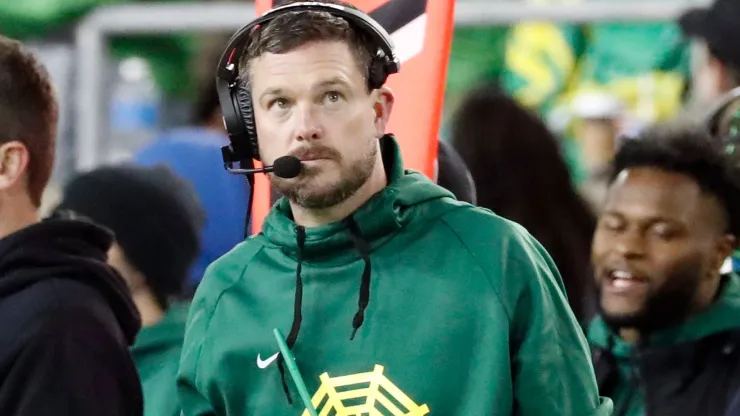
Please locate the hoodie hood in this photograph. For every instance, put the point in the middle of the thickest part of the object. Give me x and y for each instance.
(67, 249)
(720, 317)
(406, 198)
(195, 155)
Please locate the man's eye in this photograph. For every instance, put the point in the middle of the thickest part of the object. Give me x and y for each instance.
(333, 96)
(281, 103)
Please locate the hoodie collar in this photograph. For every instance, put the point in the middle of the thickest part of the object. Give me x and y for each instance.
(721, 316)
(378, 219)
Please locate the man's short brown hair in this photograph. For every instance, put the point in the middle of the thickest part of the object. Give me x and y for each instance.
(28, 112)
(292, 30)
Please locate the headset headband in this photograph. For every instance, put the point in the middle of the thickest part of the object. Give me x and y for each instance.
(228, 65)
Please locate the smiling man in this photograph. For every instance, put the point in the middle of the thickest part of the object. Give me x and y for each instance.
(668, 336)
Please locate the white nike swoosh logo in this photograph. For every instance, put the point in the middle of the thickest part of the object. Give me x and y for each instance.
(264, 364)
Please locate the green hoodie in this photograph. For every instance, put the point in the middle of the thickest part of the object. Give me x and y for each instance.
(466, 316)
(157, 355)
(722, 316)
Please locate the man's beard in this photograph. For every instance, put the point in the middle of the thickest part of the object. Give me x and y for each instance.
(670, 305)
(304, 192)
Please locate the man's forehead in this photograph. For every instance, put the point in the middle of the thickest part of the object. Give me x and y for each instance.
(305, 59)
(651, 190)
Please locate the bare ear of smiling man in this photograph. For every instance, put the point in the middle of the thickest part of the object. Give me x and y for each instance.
(396, 298)
(667, 340)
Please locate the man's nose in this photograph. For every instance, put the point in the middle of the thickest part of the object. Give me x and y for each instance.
(630, 244)
(308, 126)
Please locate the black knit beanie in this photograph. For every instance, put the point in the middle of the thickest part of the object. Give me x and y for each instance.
(155, 215)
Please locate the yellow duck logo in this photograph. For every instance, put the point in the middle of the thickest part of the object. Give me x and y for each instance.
(363, 394)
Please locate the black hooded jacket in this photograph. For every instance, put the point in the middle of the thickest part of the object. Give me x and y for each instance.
(66, 322)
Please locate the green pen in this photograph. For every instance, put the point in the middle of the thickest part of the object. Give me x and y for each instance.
(293, 369)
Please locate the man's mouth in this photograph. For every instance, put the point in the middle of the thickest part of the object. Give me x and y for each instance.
(622, 280)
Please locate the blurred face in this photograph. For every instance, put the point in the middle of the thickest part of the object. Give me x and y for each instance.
(657, 250)
(706, 74)
(312, 103)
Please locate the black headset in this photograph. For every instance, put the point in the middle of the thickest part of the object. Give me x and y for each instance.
(236, 98)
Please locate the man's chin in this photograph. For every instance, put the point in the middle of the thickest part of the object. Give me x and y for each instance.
(313, 196)
(620, 320)
(621, 315)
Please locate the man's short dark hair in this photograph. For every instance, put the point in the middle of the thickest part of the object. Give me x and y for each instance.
(28, 112)
(691, 152)
(292, 30)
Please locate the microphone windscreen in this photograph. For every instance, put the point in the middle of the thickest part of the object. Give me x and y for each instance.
(287, 167)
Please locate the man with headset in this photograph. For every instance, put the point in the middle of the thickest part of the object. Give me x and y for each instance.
(404, 300)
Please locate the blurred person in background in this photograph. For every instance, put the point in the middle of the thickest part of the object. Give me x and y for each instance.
(194, 153)
(67, 318)
(667, 338)
(715, 32)
(206, 113)
(453, 175)
(597, 122)
(549, 67)
(157, 221)
(520, 174)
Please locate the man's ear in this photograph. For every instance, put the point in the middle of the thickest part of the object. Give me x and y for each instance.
(725, 247)
(383, 106)
(14, 158)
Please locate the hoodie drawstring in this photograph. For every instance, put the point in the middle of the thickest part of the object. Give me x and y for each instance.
(364, 299)
(297, 306)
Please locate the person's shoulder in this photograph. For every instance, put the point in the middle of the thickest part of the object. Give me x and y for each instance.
(53, 297)
(478, 225)
(227, 271)
(495, 241)
(55, 305)
(229, 268)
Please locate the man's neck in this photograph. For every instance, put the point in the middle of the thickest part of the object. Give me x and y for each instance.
(629, 335)
(149, 310)
(314, 218)
(16, 216)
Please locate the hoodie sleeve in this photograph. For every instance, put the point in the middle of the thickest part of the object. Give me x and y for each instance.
(550, 355)
(551, 371)
(71, 368)
(201, 378)
(190, 383)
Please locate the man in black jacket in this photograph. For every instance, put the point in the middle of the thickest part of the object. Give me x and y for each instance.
(667, 338)
(66, 318)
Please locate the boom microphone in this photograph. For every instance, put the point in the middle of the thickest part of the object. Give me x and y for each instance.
(285, 167)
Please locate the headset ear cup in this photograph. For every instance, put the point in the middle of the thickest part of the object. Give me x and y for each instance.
(244, 101)
(377, 74)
